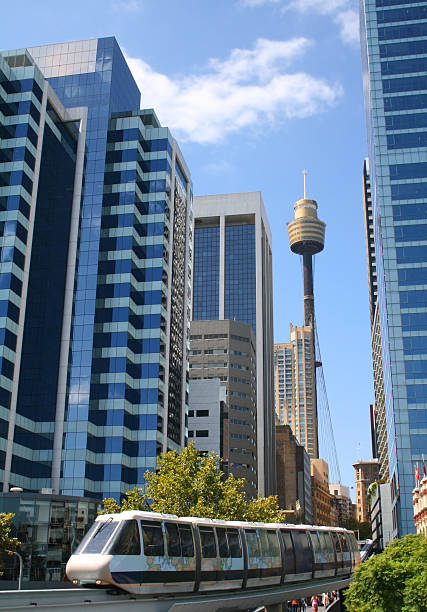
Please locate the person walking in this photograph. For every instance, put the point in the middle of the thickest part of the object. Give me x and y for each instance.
(314, 603)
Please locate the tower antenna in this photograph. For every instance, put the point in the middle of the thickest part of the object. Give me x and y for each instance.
(305, 183)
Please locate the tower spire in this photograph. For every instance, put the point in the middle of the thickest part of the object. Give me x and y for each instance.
(305, 183)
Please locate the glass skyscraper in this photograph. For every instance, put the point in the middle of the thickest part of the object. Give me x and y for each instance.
(233, 280)
(394, 53)
(96, 377)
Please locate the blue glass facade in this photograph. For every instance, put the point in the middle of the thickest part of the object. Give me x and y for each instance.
(206, 273)
(240, 274)
(129, 304)
(396, 108)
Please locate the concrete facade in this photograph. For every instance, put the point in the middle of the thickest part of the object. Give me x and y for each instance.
(341, 502)
(381, 517)
(419, 497)
(208, 416)
(366, 472)
(293, 476)
(245, 297)
(295, 386)
(321, 497)
(225, 351)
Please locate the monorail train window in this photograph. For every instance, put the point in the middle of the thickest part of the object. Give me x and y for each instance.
(273, 543)
(172, 538)
(179, 540)
(221, 534)
(152, 539)
(186, 539)
(97, 537)
(234, 547)
(252, 543)
(126, 541)
(289, 552)
(327, 547)
(303, 557)
(336, 541)
(344, 543)
(207, 538)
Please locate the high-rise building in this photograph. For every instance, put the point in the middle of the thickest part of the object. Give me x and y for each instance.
(341, 503)
(293, 476)
(233, 280)
(295, 386)
(366, 472)
(95, 199)
(377, 410)
(225, 351)
(208, 417)
(321, 497)
(394, 67)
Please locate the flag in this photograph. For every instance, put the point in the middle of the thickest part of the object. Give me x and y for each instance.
(417, 473)
(424, 466)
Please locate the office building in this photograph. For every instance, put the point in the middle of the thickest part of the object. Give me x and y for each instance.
(295, 386)
(394, 67)
(377, 410)
(49, 527)
(96, 270)
(323, 513)
(208, 417)
(224, 351)
(233, 280)
(381, 516)
(293, 476)
(366, 472)
(341, 503)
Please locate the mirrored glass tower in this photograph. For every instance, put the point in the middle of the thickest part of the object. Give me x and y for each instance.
(97, 376)
(394, 54)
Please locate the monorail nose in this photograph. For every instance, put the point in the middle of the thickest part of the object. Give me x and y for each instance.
(89, 569)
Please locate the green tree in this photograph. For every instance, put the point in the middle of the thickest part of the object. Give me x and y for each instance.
(364, 528)
(134, 500)
(265, 510)
(6, 542)
(190, 484)
(394, 581)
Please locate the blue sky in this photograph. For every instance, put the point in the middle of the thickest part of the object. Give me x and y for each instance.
(255, 91)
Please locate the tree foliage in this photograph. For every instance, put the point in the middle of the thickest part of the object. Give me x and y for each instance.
(190, 484)
(393, 581)
(364, 528)
(6, 542)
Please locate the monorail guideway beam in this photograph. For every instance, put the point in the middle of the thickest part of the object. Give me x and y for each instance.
(61, 600)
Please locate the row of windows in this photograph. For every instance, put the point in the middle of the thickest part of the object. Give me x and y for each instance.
(406, 233)
(407, 140)
(402, 14)
(416, 64)
(416, 321)
(403, 122)
(408, 212)
(410, 102)
(413, 83)
(413, 254)
(413, 47)
(418, 419)
(412, 276)
(413, 299)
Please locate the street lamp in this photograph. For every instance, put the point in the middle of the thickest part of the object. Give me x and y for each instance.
(13, 552)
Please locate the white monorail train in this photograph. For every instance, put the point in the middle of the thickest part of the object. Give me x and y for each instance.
(153, 554)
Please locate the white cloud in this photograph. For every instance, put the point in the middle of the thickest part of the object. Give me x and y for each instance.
(248, 89)
(127, 6)
(344, 16)
(349, 25)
